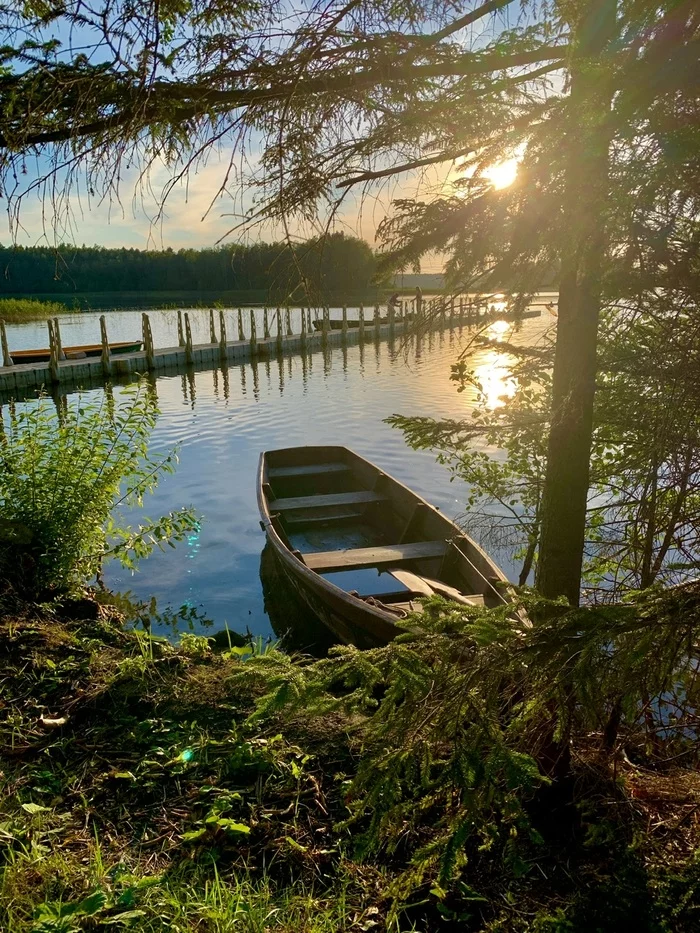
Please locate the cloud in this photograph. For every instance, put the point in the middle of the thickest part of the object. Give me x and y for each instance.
(199, 210)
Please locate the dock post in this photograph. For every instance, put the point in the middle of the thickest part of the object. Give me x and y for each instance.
(106, 356)
(212, 328)
(279, 331)
(53, 352)
(147, 340)
(266, 324)
(253, 334)
(222, 333)
(241, 335)
(461, 310)
(180, 331)
(288, 321)
(345, 322)
(362, 323)
(189, 356)
(6, 357)
(308, 320)
(59, 345)
(303, 328)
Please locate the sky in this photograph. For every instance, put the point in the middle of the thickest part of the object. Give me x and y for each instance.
(190, 220)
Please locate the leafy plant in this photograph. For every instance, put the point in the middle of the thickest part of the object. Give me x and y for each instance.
(643, 517)
(448, 737)
(63, 479)
(71, 918)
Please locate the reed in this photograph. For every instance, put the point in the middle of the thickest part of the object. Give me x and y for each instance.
(16, 310)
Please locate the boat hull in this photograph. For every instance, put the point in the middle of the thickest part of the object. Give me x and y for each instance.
(430, 549)
(88, 350)
(348, 624)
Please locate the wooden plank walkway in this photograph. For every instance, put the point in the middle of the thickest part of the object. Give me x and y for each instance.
(28, 376)
(19, 380)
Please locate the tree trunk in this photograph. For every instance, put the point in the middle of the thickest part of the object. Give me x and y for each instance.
(587, 137)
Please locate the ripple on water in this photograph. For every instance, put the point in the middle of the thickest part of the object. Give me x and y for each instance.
(221, 423)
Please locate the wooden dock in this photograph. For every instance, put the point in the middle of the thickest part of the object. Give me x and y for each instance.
(22, 379)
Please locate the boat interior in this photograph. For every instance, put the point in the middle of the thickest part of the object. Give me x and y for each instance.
(368, 534)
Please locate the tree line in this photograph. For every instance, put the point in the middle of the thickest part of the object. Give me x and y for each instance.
(316, 270)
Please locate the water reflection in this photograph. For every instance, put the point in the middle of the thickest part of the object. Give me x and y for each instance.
(221, 419)
(492, 370)
(492, 376)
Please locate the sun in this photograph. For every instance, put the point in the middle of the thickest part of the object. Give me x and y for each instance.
(501, 174)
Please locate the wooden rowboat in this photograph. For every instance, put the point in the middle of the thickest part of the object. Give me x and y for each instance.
(359, 547)
(89, 349)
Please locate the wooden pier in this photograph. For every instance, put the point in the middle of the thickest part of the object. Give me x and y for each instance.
(19, 380)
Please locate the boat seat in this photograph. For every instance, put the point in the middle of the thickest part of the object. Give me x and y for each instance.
(311, 469)
(363, 557)
(321, 517)
(318, 502)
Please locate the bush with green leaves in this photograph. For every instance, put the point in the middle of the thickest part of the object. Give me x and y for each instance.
(64, 476)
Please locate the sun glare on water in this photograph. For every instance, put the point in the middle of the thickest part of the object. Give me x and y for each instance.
(493, 371)
(502, 174)
(493, 376)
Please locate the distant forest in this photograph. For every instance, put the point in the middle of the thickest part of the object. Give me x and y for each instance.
(337, 266)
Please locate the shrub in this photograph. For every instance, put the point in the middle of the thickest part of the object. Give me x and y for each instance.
(63, 479)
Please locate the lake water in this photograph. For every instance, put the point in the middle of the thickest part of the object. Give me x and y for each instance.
(222, 419)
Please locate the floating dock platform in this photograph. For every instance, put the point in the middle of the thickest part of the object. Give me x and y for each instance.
(21, 379)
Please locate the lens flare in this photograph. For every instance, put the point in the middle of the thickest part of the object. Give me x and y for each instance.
(501, 174)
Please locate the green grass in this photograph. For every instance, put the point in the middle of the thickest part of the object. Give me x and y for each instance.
(136, 793)
(38, 889)
(136, 798)
(16, 310)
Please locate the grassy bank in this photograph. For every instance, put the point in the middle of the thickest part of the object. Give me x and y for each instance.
(144, 300)
(134, 793)
(17, 310)
(140, 793)
(165, 300)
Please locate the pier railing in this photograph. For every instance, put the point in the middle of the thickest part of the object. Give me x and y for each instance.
(284, 331)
